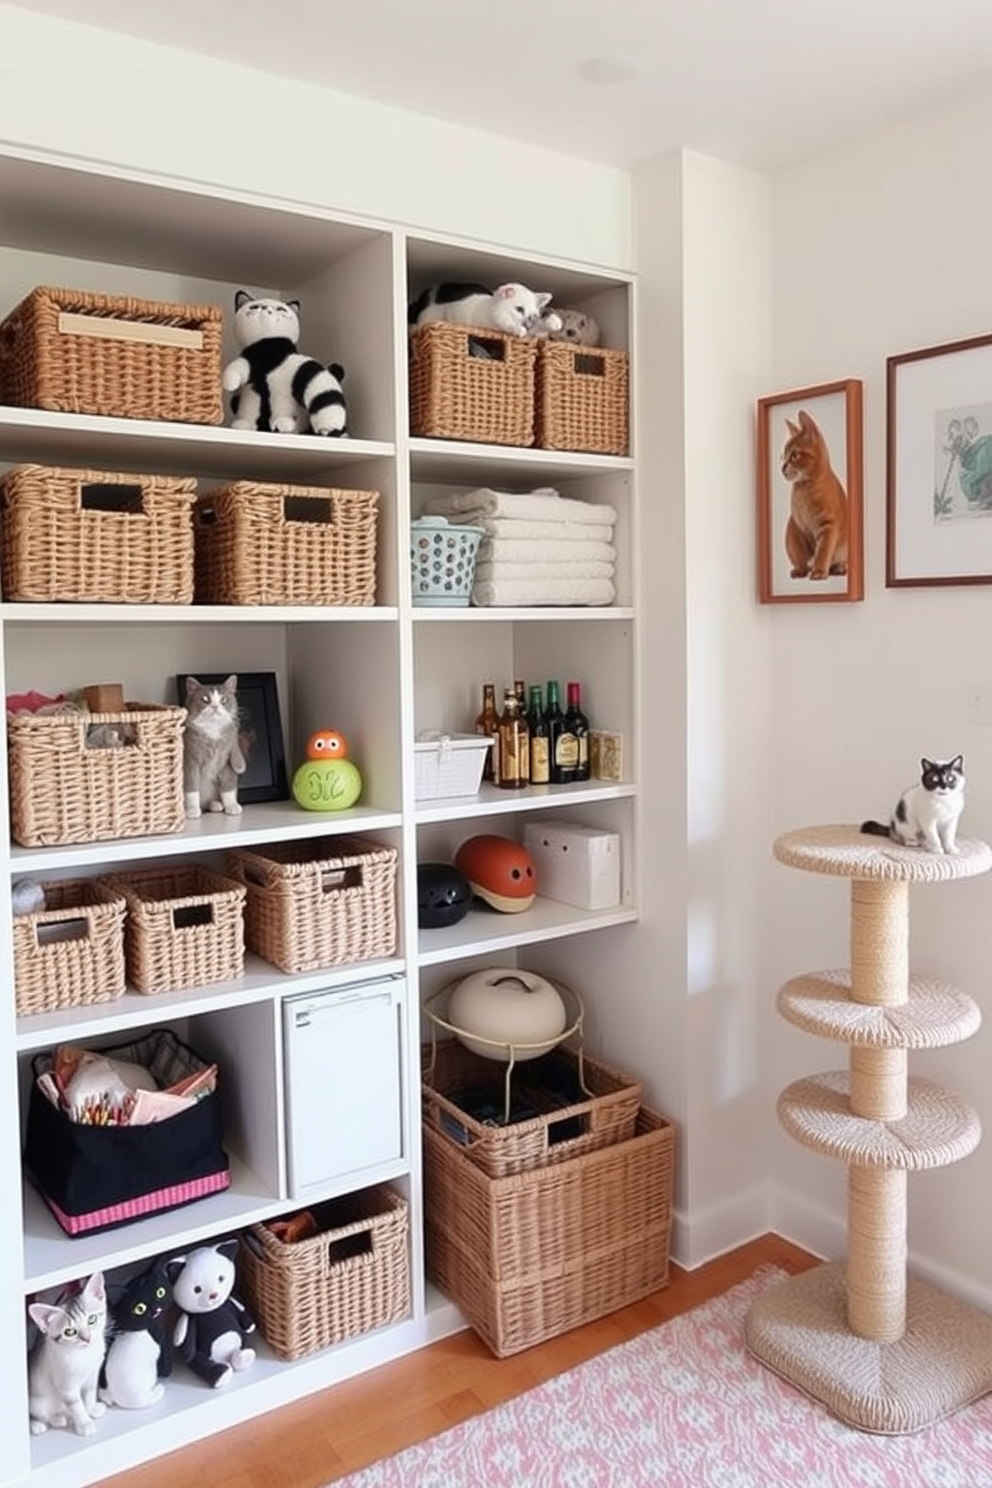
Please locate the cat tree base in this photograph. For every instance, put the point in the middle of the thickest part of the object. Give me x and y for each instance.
(942, 1361)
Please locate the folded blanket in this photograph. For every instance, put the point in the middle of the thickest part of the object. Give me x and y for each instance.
(528, 571)
(543, 505)
(543, 592)
(538, 550)
(512, 527)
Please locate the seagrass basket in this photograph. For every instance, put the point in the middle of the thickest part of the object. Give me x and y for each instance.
(582, 398)
(352, 1276)
(266, 544)
(71, 953)
(320, 903)
(76, 351)
(184, 927)
(576, 1103)
(65, 788)
(473, 384)
(93, 536)
(531, 1256)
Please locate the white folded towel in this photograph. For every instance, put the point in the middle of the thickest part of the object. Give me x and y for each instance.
(563, 571)
(543, 505)
(541, 550)
(543, 592)
(511, 527)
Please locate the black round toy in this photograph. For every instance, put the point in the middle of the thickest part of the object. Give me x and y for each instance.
(444, 895)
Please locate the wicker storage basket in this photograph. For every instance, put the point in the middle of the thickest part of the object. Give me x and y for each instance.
(92, 536)
(528, 1257)
(63, 791)
(259, 544)
(578, 1106)
(184, 928)
(472, 384)
(354, 1275)
(320, 903)
(71, 953)
(582, 398)
(75, 351)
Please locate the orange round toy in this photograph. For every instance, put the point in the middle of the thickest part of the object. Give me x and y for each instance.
(327, 744)
(500, 871)
(327, 780)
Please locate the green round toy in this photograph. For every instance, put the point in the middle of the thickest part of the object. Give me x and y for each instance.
(327, 780)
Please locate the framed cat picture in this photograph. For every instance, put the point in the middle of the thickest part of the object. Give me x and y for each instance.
(259, 733)
(810, 475)
(939, 465)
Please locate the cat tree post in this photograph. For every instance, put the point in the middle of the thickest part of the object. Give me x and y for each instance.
(884, 1351)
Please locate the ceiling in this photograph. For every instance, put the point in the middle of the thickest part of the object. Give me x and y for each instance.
(765, 83)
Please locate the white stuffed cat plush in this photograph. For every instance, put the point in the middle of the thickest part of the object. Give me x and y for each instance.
(512, 309)
(274, 387)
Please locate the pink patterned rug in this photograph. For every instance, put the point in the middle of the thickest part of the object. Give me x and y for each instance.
(684, 1406)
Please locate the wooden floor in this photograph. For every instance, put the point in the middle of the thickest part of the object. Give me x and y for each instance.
(328, 1435)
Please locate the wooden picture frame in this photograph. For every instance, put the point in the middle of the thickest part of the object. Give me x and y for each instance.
(786, 540)
(939, 465)
(260, 733)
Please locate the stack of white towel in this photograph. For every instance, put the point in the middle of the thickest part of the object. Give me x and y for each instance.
(538, 548)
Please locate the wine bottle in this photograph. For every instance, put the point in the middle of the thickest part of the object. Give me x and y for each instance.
(487, 723)
(540, 772)
(514, 745)
(562, 746)
(521, 692)
(578, 724)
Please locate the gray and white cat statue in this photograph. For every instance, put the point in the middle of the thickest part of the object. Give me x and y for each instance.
(273, 386)
(212, 754)
(64, 1367)
(512, 309)
(927, 814)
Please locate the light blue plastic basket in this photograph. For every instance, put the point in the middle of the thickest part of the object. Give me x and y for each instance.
(442, 561)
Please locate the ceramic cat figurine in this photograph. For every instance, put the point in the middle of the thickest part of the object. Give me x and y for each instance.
(64, 1367)
(927, 814)
(139, 1355)
(212, 754)
(512, 309)
(816, 532)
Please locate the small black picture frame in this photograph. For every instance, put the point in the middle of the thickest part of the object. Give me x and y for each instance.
(260, 734)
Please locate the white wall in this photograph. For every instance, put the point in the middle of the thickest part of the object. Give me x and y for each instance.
(878, 250)
(104, 97)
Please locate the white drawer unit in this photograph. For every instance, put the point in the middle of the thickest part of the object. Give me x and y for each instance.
(342, 1062)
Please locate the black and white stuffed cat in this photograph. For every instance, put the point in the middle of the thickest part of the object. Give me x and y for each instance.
(273, 386)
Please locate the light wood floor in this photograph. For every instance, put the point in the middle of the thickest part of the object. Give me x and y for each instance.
(326, 1436)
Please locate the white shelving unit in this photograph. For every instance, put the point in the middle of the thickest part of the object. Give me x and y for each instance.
(379, 674)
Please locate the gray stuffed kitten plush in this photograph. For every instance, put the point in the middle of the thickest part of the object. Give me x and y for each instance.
(212, 755)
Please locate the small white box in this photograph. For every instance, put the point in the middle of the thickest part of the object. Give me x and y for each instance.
(578, 865)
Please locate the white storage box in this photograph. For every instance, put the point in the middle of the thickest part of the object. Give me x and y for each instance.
(578, 865)
(448, 765)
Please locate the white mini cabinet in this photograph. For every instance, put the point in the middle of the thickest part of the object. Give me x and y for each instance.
(379, 674)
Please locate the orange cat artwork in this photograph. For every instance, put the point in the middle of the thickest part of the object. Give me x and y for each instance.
(816, 532)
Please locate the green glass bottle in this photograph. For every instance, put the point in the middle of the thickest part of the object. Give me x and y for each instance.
(562, 747)
(540, 764)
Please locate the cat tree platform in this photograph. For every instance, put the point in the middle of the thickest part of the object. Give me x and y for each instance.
(883, 1351)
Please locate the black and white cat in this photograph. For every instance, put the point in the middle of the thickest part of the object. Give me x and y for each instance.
(512, 309)
(927, 814)
(139, 1356)
(64, 1367)
(212, 754)
(273, 386)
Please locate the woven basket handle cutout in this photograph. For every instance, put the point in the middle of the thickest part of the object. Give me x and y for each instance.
(109, 496)
(55, 932)
(315, 509)
(334, 880)
(588, 364)
(486, 348)
(344, 1248)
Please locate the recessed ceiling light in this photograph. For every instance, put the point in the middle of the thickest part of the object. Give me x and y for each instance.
(607, 69)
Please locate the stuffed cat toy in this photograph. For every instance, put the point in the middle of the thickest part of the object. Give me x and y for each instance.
(512, 309)
(927, 814)
(64, 1367)
(140, 1355)
(574, 326)
(273, 386)
(213, 1325)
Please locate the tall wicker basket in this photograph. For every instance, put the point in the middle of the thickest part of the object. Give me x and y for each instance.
(472, 384)
(582, 398)
(76, 351)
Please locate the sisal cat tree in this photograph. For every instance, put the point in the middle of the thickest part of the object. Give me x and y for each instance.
(884, 1351)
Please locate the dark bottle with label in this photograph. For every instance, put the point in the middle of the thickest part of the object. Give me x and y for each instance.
(514, 745)
(578, 724)
(562, 748)
(487, 723)
(540, 764)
